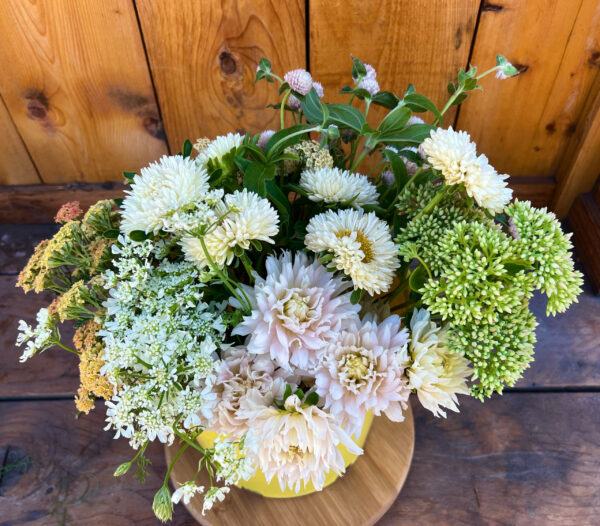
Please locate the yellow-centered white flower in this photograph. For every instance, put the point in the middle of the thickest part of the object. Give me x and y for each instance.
(244, 217)
(332, 185)
(163, 188)
(297, 444)
(361, 245)
(452, 153)
(436, 373)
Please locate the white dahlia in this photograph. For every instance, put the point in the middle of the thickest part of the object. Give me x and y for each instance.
(361, 371)
(333, 185)
(162, 189)
(436, 373)
(361, 244)
(219, 147)
(244, 216)
(241, 372)
(453, 154)
(298, 444)
(296, 310)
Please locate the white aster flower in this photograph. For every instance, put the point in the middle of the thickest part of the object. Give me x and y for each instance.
(333, 185)
(361, 371)
(163, 188)
(220, 147)
(245, 216)
(453, 154)
(296, 310)
(299, 80)
(436, 373)
(298, 444)
(240, 372)
(186, 492)
(361, 244)
(213, 495)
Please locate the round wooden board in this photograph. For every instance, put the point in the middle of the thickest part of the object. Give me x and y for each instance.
(359, 498)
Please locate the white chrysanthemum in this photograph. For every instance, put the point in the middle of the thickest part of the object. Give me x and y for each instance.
(296, 310)
(453, 154)
(220, 147)
(245, 216)
(240, 372)
(361, 244)
(298, 444)
(160, 190)
(299, 80)
(361, 371)
(436, 373)
(332, 185)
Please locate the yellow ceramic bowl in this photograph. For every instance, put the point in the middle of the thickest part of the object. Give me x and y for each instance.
(258, 483)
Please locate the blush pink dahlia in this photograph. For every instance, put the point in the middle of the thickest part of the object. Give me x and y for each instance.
(296, 310)
(361, 371)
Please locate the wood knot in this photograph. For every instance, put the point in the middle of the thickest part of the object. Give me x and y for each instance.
(37, 104)
(227, 62)
(488, 6)
(551, 128)
(594, 59)
(521, 68)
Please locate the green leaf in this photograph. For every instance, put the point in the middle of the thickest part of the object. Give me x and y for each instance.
(398, 168)
(280, 200)
(409, 90)
(409, 136)
(420, 103)
(238, 251)
(359, 92)
(242, 163)
(395, 120)
(311, 107)
(284, 138)
(283, 88)
(345, 116)
(469, 84)
(459, 99)
(119, 201)
(356, 296)
(256, 244)
(112, 233)
(129, 175)
(299, 393)
(215, 175)
(187, 148)
(501, 60)
(287, 392)
(138, 235)
(358, 68)
(387, 99)
(312, 398)
(451, 88)
(417, 278)
(256, 152)
(254, 179)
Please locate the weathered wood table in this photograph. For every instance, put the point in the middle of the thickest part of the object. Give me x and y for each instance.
(530, 457)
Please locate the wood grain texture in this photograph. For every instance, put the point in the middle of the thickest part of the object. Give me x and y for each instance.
(39, 204)
(17, 243)
(204, 70)
(51, 373)
(580, 166)
(79, 90)
(523, 124)
(584, 219)
(59, 470)
(537, 189)
(405, 40)
(16, 166)
(517, 460)
(360, 497)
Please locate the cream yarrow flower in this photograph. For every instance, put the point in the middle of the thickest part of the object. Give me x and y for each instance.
(452, 153)
(333, 185)
(243, 217)
(361, 245)
(160, 190)
(298, 444)
(296, 310)
(435, 372)
(361, 371)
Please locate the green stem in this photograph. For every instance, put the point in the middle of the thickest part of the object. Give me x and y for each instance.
(287, 137)
(248, 266)
(57, 342)
(424, 265)
(359, 159)
(175, 459)
(282, 109)
(436, 199)
(185, 439)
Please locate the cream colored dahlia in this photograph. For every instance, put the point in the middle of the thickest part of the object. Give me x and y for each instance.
(296, 310)
(160, 190)
(361, 244)
(453, 154)
(297, 444)
(220, 147)
(240, 372)
(436, 373)
(245, 216)
(332, 185)
(361, 371)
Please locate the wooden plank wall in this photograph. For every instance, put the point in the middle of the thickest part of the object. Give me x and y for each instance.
(92, 88)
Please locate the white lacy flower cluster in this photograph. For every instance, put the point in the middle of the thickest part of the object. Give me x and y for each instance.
(160, 340)
(38, 338)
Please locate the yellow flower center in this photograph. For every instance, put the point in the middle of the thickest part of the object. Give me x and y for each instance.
(356, 367)
(297, 307)
(295, 454)
(365, 243)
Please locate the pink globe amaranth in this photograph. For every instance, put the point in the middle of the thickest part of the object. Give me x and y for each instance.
(299, 80)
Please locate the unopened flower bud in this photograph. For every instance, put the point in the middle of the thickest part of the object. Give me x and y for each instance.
(264, 138)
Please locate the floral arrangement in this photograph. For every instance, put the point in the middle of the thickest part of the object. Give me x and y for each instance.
(253, 285)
